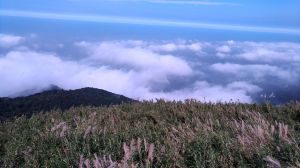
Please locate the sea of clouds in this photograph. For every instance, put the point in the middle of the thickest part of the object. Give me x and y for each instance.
(178, 69)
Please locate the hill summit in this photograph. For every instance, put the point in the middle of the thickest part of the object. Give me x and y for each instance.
(57, 98)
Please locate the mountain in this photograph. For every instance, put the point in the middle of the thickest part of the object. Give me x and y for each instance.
(57, 98)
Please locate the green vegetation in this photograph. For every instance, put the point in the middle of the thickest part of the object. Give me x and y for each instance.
(156, 134)
(57, 99)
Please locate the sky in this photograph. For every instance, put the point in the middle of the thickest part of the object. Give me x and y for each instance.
(213, 50)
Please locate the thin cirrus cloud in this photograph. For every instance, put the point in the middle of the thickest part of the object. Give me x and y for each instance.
(179, 2)
(145, 21)
(191, 2)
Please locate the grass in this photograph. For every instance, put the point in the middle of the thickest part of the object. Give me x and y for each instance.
(156, 134)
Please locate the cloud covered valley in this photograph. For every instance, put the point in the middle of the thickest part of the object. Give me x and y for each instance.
(179, 69)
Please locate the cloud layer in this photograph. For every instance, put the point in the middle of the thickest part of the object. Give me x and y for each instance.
(29, 69)
(177, 69)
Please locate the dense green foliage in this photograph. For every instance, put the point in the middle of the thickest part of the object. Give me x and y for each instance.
(57, 99)
(156, 134)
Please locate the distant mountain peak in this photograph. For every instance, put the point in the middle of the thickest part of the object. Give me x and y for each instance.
(56, 98)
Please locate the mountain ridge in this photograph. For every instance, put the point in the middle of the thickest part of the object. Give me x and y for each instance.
(58, 99)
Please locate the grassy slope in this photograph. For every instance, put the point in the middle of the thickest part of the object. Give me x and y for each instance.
(161, 134)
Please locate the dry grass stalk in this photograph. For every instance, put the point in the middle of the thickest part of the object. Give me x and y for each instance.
(60, 129)
(139, 143)
(145, 145)
(63, 131)
(56, 127)
(81, 161)
(127, 152)
(99, 162)
(251, 135)
(257, 131)
(87, 163)
(283, 130)
(113, 119)
(93, 115)
(134, 165)
(133, 145)
(273, 163)
(150, 152)
(272, 130)
(87, 132)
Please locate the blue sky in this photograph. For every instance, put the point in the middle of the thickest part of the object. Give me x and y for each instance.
(252, 15)
(157, 48)
(277, 13)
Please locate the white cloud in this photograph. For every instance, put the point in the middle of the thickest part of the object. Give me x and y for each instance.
(7, 40)
(205, 91)
(172, 47)
(117, 53)
(254, 52)
(250, 88)
(269, 52)
(26, 69)
(223, 50)
(148, 70)
(163, 46)
(258, 71)
(230, 42)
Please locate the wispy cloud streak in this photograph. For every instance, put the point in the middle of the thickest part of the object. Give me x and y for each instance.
(179, 2)
(145, 21)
